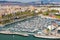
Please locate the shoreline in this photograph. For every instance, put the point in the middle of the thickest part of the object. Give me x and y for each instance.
(47, 17)
(1, 25)
(8, 32)
(26, 35)
(42, 16)
(45, 36)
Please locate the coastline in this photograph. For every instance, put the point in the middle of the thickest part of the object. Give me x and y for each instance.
(1, 25)
(8, 32)
(45, 36)
(47, 17)
(26, 35)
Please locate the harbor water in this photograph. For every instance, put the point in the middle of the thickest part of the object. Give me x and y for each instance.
(19, 37)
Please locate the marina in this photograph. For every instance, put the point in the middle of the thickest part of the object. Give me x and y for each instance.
(29, 19)
(30, 26)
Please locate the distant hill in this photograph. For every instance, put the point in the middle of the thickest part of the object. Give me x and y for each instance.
(11, 3)
(29, 3)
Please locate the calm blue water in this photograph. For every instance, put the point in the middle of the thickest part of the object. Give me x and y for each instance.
(19, 37)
